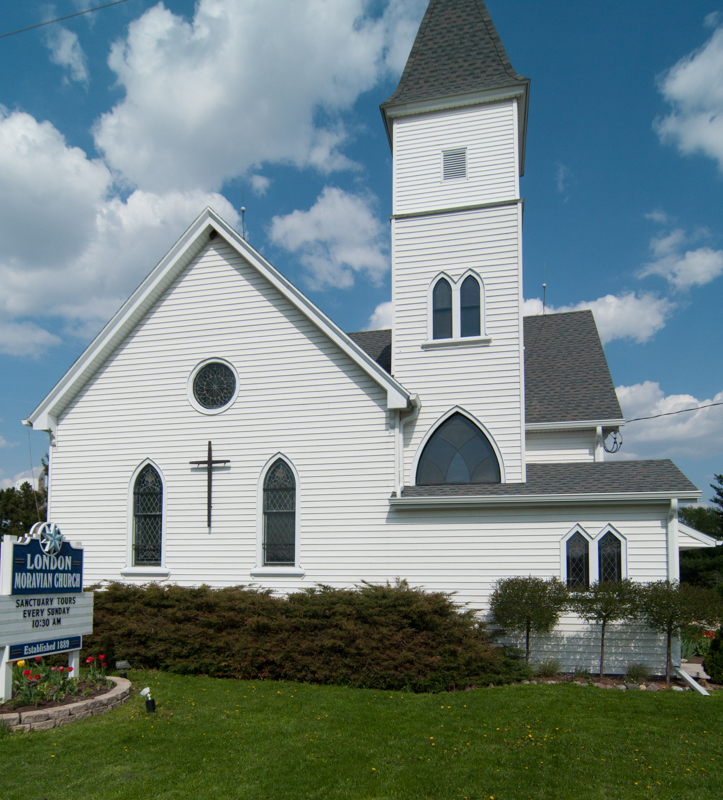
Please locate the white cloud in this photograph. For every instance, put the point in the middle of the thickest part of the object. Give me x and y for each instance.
(627, 316)
(65, 51)
(260, 184)
(25, 339)
(336, 238)
(381, 318)
(69, 247)
(214, 98)
(694, 89)
(18, 480)
(5, 443)
(683, 268)
(696, 434)
(562, 177)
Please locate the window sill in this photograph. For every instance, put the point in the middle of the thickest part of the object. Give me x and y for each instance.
(467, 340)
(278, 572)
(145, 572)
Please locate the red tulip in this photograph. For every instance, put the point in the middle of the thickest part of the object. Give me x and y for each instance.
(38, 658)
(89, 660)
(37, 677)
(101, 657)
(70, 669)
(27, 673)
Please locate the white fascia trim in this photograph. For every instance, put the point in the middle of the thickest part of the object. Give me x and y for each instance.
(703, 539)
(548, 499)
(195, 238)
(572, 426)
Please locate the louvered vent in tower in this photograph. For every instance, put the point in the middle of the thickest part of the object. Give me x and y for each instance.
(454, 164)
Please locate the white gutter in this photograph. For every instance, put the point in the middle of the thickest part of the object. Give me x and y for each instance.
(574, 426)
(543, 499)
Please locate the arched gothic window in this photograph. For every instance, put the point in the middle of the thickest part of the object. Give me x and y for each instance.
(610, 558)
(279, 515)
(442, 310)
(458, 452)
(147, 518)
(470, 307)
(578, 562)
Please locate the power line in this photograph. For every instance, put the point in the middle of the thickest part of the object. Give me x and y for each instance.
(60, 19)
(670, 413)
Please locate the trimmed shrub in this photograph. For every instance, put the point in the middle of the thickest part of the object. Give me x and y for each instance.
(713, 663)
(637, 673)
(548, 667)
(381, 637)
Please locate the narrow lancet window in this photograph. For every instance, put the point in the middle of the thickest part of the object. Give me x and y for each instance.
(578, 562)
(470, 307)
(147, 518)
(610, 558)
(442, 310)
(458, 452)
(279, 515)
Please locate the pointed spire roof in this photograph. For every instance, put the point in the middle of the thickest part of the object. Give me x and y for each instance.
(457, 52)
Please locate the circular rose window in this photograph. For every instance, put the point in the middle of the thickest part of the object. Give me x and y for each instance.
(214, 385)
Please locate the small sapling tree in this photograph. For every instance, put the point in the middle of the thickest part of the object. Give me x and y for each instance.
(605, 602)
(666, 606)
(528, 604)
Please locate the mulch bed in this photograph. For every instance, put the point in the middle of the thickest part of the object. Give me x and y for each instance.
(87, 690)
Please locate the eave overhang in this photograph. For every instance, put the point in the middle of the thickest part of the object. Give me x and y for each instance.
(575, 425)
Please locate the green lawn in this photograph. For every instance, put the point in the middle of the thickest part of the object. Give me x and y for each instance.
(227, 739)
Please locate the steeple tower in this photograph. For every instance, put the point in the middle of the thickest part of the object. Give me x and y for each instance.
(456, 125)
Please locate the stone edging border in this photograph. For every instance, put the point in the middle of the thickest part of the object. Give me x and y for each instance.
(44, 719)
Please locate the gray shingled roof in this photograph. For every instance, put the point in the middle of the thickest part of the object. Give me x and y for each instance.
(457, 50)
(566, 373)
(607, 477)
(377, 344)
(567, 378)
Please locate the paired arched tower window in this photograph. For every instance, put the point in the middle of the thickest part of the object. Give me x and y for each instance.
(147, 518)
(458, 452)
(457, 312)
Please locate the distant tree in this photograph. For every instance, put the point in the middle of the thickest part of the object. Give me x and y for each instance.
(666, 606)
(528, 604)
(21, 508)
(704, 566)
(703, 518)
(717, 499)
(606, 602)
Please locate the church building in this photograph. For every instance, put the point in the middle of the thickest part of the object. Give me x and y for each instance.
(221, 429)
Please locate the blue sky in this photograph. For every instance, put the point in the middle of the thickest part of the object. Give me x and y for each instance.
(117, 127)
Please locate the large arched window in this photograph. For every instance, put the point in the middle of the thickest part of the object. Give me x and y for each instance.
(610, 558)
(279, 542)
(578, 562)
(469, 304)
(458, 452)
(442, 310)
(147, 518)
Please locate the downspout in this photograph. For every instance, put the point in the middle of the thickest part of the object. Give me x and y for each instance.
(673, 571)
(599, 450)
(402, 419)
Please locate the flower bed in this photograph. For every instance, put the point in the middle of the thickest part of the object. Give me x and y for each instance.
(39, 719)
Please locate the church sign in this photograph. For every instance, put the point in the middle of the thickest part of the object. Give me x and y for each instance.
(46, 571)
(43, 609)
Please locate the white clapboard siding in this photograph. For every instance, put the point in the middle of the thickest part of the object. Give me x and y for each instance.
(486, 132)
(544, 447)
(484, 379)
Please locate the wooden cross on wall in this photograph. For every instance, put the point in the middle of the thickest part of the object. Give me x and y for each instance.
(209, 463)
